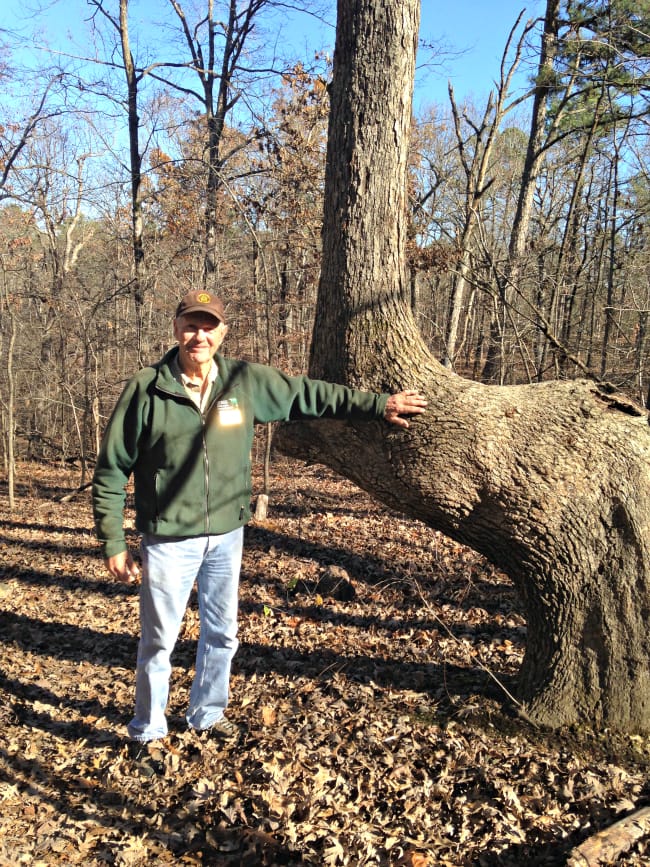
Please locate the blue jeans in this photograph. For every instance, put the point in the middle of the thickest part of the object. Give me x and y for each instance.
(169, 569)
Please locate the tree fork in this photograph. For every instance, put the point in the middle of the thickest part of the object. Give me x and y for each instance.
(551, 482)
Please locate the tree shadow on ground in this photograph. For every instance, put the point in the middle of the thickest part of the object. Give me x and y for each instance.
(395, 625)
(23, 698)
(87, 548)
(111, 649)
(372, 570)
(42, 578)
(60, 640)
(94, 800)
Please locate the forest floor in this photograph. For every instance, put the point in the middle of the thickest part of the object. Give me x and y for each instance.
(378, 726)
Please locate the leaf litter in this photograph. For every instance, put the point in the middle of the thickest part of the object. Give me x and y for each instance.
(375, 684)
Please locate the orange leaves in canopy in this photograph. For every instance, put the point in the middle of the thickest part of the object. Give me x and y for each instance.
(178, 184)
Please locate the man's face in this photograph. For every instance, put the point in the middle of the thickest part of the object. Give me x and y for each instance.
(199, 336)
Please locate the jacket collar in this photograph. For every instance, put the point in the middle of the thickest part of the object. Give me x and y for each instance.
(166, 379)
(164, 368)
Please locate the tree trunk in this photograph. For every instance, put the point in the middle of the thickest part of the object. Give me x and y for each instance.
(11, 411)
(611, 272)
(550, 481)
(135, 166)
(537, 136)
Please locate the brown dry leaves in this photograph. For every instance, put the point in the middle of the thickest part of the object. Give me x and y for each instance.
(375, 732)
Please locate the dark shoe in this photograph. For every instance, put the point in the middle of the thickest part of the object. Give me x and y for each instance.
(146, 758)
(223, 730)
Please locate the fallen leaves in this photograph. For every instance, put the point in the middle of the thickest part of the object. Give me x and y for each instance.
(367, 681)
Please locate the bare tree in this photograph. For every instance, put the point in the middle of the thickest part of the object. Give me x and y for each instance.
(133, 77)
(476, 162)
(218, 70)
(9, 399)
(15, 138)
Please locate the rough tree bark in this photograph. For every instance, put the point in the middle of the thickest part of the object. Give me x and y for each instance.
(550, 481)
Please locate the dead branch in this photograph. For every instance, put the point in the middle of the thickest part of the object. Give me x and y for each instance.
(73, 494)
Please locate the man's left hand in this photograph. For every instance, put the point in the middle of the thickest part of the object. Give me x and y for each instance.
(404, 403)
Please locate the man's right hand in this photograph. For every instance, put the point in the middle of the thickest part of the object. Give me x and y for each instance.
(123, 567)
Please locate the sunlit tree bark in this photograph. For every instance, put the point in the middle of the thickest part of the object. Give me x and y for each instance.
(550, 481)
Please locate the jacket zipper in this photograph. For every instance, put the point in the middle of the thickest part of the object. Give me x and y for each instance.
(206, 460)
(206, 468)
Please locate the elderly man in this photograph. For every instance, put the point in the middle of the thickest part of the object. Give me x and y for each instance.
(184, 428)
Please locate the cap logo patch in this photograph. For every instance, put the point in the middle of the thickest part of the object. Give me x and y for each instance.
(203, 298)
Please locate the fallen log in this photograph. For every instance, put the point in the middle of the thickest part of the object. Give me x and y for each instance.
(609, 843)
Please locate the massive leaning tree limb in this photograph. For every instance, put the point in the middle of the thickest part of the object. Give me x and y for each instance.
(550, 481)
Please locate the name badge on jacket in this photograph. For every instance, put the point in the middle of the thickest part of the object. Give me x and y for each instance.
(229, 413)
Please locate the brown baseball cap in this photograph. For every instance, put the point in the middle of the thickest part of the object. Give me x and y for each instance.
(201, 301)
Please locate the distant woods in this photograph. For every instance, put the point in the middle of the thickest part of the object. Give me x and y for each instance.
(194, 155)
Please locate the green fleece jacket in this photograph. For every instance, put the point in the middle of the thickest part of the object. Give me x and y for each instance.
(191, 470)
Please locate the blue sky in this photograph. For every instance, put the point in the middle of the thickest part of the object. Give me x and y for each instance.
(473, 31)
(477, 31)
